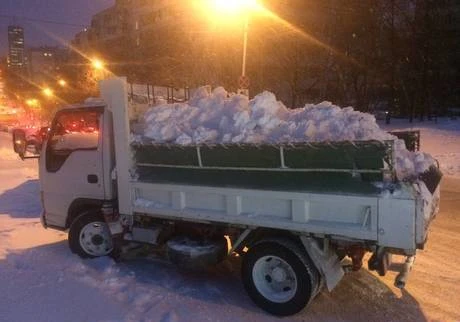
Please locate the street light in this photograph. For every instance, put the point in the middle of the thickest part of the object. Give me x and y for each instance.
(62, 83)
(99, 68)
(235, 8)
(97, 64)
(32, 102)
(48, 92)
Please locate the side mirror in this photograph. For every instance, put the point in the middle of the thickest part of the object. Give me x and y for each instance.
(19, 142)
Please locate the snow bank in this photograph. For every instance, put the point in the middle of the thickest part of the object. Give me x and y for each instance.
(218, 117)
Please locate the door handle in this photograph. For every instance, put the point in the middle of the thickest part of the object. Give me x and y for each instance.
(92, 178)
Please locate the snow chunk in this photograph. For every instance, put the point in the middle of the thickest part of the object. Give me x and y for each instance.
(218, 117)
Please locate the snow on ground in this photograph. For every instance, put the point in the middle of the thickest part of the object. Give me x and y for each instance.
(41, 280)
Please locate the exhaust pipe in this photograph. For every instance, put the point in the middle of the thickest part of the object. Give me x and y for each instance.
(401, 279)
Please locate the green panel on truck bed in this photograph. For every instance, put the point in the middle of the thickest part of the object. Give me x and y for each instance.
(263, 180)
(241, 156)
(338, 155)
(342, 155)
(307, 167)
(166, 154)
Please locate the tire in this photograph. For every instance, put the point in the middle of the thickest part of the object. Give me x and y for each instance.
(89, 236)
(279, 277)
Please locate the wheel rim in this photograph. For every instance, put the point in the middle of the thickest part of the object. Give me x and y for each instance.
(95, 239)
(275, 279)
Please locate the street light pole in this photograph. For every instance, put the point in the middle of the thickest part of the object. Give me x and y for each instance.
(244, 80)
(245, 44)
(237, 9)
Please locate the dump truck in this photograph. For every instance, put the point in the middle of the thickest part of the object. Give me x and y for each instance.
(291, 212)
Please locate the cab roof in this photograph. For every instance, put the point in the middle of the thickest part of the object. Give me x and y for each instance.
(90, 102)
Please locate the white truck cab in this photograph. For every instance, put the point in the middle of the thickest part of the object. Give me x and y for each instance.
(76, 164)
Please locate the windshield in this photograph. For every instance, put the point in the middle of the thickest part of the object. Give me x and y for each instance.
(75, 131)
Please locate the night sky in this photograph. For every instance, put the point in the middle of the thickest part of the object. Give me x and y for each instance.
(77, 12)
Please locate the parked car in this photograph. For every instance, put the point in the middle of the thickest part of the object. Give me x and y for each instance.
(30, 139)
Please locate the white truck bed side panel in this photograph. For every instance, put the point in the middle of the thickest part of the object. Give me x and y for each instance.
(349, 216)
(397, 223)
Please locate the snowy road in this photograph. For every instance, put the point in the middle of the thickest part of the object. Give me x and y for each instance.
(42, 281)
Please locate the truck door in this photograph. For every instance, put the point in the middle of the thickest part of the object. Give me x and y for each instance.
(71, 167)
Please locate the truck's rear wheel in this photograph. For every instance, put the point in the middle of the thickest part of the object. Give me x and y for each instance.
(89, 236)
(279, 277)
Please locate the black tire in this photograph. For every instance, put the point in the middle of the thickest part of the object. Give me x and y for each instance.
(75, 242)
(306, 274)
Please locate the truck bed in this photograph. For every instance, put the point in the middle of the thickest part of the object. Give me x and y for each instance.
(396, 217)
(285, 187)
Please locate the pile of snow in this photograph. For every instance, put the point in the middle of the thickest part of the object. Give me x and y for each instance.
(219, 118)
(439, 137)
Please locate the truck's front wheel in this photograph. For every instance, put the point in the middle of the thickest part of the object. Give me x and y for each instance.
(279, 277)
(89, 236)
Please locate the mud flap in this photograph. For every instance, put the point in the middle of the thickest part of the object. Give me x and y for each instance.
(325, 260)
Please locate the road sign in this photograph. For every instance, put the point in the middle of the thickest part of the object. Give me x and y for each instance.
(243, 81)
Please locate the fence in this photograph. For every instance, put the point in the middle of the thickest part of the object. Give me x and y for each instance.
(154, 95)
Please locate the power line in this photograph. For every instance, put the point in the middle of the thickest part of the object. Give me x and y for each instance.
(43, 21)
